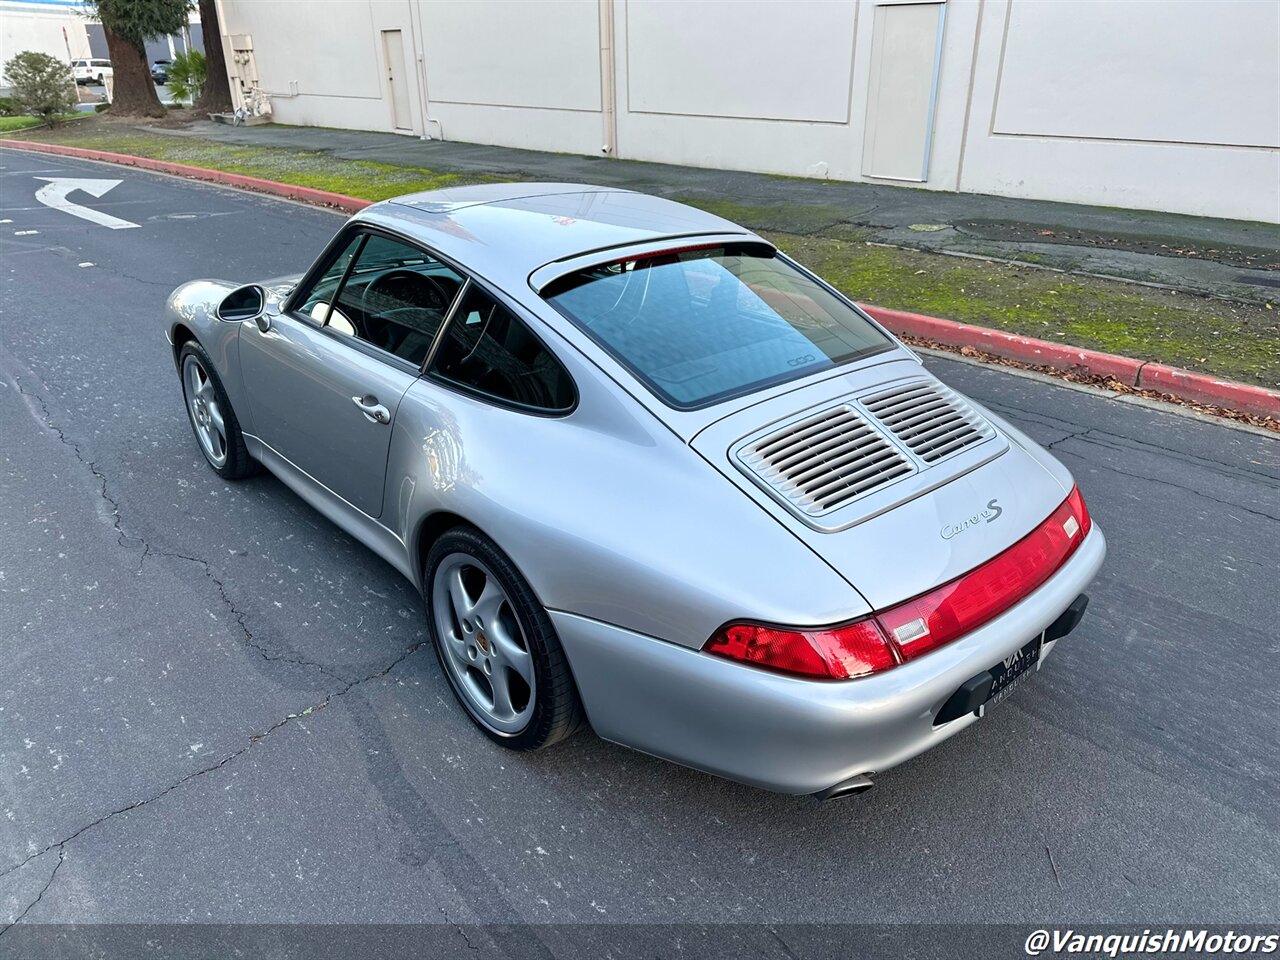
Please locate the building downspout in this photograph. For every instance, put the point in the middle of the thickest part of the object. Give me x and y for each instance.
(608, 82)
(420, 62)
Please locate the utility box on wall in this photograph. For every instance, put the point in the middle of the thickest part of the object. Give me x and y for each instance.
(252, 105)
(241, 67)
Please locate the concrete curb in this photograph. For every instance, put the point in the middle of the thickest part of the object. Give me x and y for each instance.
(1181, 384)
(1144, 375)
(323, 198)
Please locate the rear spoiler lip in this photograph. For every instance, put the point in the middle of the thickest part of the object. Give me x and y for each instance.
(540, 278)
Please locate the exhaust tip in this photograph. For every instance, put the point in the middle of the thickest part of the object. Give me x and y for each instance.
(854, 785)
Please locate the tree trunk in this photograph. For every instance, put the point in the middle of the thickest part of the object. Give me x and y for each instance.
(134, 93)
(216, 96)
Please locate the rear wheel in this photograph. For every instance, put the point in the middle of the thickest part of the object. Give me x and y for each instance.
(496, 644)
(213, 422)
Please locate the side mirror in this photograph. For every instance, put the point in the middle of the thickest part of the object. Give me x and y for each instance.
(245, 303)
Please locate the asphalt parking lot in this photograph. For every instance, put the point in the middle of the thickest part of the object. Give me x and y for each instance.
(214, 706)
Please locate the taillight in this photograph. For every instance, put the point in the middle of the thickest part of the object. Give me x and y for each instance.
(1075, 500)
(834, 653)
(908, 630)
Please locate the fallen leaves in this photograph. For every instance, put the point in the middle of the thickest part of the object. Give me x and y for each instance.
(1105, 382)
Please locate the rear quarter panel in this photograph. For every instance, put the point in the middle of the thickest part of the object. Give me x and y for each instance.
(607, 514)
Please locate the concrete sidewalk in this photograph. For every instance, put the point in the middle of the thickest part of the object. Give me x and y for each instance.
(1227, 258)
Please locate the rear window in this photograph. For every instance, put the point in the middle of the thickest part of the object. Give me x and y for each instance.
(703, 325)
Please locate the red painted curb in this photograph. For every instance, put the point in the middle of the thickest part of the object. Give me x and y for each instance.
(1010, 345)
(1183, 384)
(1203, 389)
(305, 194)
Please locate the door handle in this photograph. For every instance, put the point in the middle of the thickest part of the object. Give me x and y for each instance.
(373, 411)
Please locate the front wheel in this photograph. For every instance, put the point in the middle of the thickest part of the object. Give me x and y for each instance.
(213, 422)
(496, 644)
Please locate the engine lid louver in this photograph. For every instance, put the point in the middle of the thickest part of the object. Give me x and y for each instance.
(844, 459)
(825, 460)
(931, 419)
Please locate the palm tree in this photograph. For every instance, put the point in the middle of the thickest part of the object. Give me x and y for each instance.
(187, 75)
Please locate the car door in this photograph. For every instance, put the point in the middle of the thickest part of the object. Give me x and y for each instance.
(326, 376)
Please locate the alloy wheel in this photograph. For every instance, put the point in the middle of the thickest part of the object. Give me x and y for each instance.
(483, 645)
(205, 411)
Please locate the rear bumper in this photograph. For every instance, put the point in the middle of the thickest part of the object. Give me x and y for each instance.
(787, 734)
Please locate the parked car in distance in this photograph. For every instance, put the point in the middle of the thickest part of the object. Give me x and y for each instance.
(160, 70)
(91, 71)
(649, 472)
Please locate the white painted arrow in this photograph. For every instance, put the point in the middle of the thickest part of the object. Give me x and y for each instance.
(54, 194)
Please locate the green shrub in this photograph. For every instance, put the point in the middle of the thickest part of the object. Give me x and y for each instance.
(42, 85)
(186, 75)
(9, 107)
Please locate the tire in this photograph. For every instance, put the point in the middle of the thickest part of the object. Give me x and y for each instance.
(481, 658)
(100, 79)
(207, 404)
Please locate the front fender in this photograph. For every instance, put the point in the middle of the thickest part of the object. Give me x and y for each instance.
(191, 311)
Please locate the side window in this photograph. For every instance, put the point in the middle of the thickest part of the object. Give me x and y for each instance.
(319, 302)
(487, 349)
(395, 297)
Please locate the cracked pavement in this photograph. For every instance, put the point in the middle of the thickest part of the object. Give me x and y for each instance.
(216, 707)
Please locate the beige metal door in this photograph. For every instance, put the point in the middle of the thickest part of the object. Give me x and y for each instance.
(397, 79)
(906, 50)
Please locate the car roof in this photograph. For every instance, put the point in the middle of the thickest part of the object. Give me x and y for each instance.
(505, 231)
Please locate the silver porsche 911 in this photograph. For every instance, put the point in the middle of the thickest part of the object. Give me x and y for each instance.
(650, 474)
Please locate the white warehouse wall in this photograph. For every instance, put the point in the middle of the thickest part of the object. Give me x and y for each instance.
(756, 85)
(320, 62)
(520, 73)
(1169, 105)
(39, 26)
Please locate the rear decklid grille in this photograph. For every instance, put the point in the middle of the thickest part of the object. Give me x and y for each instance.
(930, 419)
(856, 458)
(823, 461)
